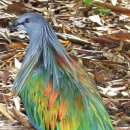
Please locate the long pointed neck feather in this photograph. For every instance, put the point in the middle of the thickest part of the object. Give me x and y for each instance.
(44, 49)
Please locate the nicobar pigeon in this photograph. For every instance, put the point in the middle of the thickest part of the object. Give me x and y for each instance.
(57, 92)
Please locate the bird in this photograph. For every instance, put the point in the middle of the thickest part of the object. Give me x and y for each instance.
(57, 92)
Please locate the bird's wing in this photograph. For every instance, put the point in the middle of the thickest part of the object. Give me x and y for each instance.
(70, 106)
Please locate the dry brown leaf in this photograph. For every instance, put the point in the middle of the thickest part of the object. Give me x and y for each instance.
(63, 29)
(11, 127)
(17, 8)
(7, 56)
(64, 43)
(4, 75)
(80, 61)
(114, 57)
(22, 118)
(101, 76)
(118, 36)
(77, 5)
(104, 40)
(5, 112)
(17, 45)
(10, 94)
(4, 97)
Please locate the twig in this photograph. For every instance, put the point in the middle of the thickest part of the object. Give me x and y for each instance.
(10, 127)
(4, 112)
(72, 38)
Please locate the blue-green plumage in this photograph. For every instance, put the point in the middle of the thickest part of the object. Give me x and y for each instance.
(85, 112)
(57, 93)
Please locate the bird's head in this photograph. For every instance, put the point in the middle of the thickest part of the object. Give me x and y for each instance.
(29, 22)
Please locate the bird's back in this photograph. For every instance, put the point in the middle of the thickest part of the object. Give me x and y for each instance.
(57, 93)
(73, 105)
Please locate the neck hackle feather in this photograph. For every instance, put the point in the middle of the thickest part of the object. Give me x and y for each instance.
(57, 92)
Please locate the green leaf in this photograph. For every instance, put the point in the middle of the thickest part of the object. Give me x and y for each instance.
(102, 11)
(88, 2)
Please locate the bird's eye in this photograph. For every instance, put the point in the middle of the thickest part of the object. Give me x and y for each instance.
(27, 20)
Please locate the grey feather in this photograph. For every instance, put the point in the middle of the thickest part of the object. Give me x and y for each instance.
(42, 48)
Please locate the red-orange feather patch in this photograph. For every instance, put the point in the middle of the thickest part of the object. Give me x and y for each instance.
(62, 109)
(61, 60)
(52, 99)
(48, 89)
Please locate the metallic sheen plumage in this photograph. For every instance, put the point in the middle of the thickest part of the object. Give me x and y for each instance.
(57, 92)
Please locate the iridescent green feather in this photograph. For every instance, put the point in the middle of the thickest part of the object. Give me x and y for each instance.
(89, 115)
(57, 93)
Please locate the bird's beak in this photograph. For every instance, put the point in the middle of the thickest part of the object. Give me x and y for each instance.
(14, 26)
